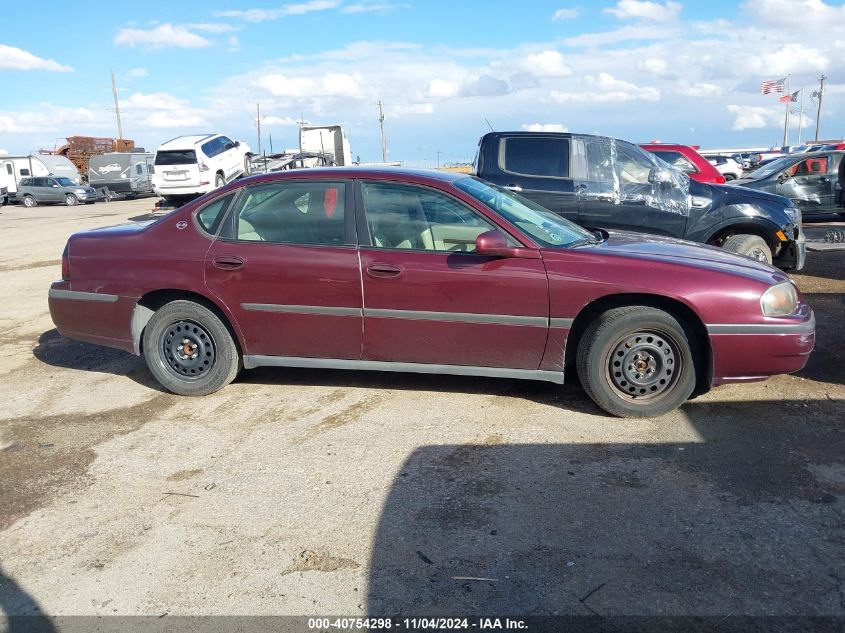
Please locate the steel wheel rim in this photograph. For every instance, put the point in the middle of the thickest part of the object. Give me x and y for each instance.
(187, 350)
(644, 365)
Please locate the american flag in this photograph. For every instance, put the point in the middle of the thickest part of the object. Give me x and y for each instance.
(772, 86)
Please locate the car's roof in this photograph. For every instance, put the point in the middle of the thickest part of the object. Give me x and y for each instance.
(185, 142)
(378, 173)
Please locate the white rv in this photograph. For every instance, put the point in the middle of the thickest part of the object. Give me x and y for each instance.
(326, 139)
(40, 165)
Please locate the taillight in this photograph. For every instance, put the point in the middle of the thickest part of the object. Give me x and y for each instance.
(720, 180)
(65, 265)
(203, 166)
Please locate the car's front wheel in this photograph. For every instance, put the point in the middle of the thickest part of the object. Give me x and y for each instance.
(752, 246)
(247, 165)
(636, 361)
(71, 200)
(219, 181)
(29, 201)
(189, 349)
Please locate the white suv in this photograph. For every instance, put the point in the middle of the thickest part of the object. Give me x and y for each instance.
(189, 166)
(725, 165)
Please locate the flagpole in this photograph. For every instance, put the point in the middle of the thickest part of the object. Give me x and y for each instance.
(800, 114)
(786, 116)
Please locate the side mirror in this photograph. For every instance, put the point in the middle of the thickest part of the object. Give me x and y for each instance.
(657, 175)
(237, 143)
(496, 244)
(54, 186)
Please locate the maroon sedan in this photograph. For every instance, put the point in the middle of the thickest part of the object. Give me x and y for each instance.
(430, 272)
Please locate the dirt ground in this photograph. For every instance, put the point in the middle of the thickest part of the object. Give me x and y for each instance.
(329, 492)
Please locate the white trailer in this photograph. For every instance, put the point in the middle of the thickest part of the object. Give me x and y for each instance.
(41, 165)
(326, 139)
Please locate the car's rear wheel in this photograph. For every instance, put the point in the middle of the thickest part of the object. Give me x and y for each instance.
(637, 361)
(729, 177)
(219, 181)
(247, 165)
(29, 201)
(71, 200)
(752, 246)
(189, 349)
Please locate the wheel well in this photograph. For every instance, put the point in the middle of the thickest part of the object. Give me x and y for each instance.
(745, 229)
(682, 312)
(154, 300)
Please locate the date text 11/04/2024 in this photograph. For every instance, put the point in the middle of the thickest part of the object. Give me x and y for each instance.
(416, 624)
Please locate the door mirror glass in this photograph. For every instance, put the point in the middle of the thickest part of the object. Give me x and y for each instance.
(658, 176)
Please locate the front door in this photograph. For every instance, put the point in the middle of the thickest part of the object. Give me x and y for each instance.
(428, 298)
(287, 268)
(616, 192)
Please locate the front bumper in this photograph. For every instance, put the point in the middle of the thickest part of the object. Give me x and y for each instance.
(793, 254)
(746, 353)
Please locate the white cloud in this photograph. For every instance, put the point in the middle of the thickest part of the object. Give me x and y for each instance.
(413, 108)
(4, 152)
(755, 117)
(547, 64)
(544, 127)
(234, 43)
(374, 7)
(163, 36)
(262, 15)
(628, 33)
(48, 118)
(644, 10)
(330, 85)
(604, 88)
(795, 14)
(13, 58)
(213, 27)
(566, 14)
(162, 110)
(442, 89)
(654, 65)
(278, 120)
(697, 89)
(789, 58)
(138, 72)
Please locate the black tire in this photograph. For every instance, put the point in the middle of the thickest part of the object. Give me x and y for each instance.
(729, 177)
(752, 246)
(624, 366)
(219, 181)
(247, 165)
(206, 358)
(29, 201)
(71, 200)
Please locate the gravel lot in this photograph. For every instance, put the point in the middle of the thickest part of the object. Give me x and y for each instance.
(328, 492)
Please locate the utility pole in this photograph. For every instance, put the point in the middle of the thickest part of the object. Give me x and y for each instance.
(786, 116)
(116, 107)
(801, 115)
(438, 158)
(383, 138)
(819, 111)
(258, 125)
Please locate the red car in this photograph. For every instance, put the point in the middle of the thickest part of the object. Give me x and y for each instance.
(427, 272)
(687, 160)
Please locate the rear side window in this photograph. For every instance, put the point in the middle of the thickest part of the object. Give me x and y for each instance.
(676, 159)
(211, 215)
(292, 213)
(26, 182)
(535, 156)
(176, 157)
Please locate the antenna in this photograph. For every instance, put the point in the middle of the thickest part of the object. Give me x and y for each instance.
(488, 124)
(820, 94)
(383, 138)
(116, 107)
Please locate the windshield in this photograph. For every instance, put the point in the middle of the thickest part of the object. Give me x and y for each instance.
(546, 227)
(771, 168)
(65, 182)
(176, 157)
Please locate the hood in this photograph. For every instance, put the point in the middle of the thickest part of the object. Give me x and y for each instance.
(741, 190)
(671, 250)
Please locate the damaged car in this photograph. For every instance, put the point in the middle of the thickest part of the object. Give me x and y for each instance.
(601, 182)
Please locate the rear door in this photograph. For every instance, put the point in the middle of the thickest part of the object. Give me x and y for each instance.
(537, 167)
(428, 298)
(811, 184)
(287, 268)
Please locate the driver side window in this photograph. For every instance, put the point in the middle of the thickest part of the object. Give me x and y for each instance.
(417, 218)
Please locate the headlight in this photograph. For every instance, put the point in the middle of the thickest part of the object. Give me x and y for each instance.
(79, 191)
(779, 300)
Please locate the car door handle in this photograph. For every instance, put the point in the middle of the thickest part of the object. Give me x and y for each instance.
(516, 188)
(383, 270)
(228, 262)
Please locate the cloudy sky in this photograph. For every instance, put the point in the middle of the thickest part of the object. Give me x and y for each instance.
(640, 70)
